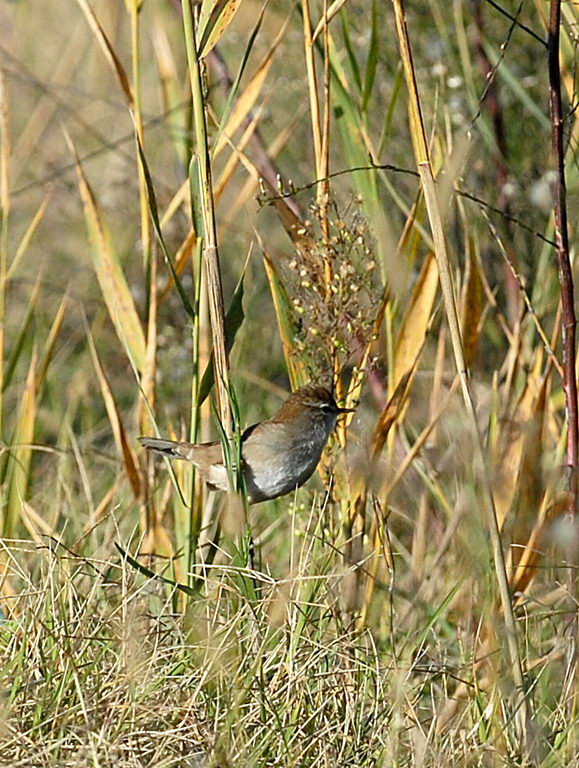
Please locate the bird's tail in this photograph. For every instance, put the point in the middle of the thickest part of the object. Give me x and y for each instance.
(170, 448)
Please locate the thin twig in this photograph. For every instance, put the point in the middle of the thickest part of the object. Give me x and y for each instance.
(293, 190)
(526, 29)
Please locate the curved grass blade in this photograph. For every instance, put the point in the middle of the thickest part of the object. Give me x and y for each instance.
(154, 213)
(108, 51)
(23, 336)
(285, 324)
(112, 281)
(191, 591)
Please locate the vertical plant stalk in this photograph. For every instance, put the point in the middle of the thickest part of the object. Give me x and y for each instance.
(6, 590)
(568, 320)
(313, 87)
(134, 8)
(194, 519)
(5, 206)
(562, 239)
(324, 187)
(210, 253)
(321, 138)
(324, 171)
(421, 152)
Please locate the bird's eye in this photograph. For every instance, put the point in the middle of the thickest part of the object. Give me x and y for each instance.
(326, 408)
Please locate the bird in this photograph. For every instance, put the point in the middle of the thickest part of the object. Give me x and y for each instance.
(278, 455)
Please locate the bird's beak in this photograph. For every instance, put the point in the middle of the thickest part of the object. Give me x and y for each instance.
(346, 410)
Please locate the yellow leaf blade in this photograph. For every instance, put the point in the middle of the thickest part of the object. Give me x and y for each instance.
(416, 320)
(113, 284)
(21, 455)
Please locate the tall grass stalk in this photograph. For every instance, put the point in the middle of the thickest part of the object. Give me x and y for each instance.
(5, 212)
(568, 325)
(134, 8)
(210, 250)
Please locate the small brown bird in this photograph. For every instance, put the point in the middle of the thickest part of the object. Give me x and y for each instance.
(278, 454)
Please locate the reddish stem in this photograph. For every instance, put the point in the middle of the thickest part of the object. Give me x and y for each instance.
(562, 239)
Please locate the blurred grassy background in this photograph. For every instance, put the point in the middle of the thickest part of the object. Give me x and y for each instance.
(370, 631)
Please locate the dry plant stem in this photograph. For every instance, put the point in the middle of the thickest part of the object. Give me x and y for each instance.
(5, 206)
(211, 254)
(430, 194)
(567, 310)
(143, 199)
(194, 519)
(562, 238)
(320, 128)
(312, 86)
(324, 188)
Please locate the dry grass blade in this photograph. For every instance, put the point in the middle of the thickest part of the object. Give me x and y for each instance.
(36, 525)
(233, 321)
(50, 345)
(514, 436)
(21, 454)
(416, 321)
(418, 444)
(215, 17)
(246, 100)
(114, 288)
(103, 506)
(472, 307)
(148, 377)
(421, 533)
(132, 96)
(530, 485)
(157, 542)
(332, 11)
(181, 258)
(281, 305)
(123, 445)
(28, 235)
(237, 153)
(109, 52)
(179, 199)
(391, 413)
